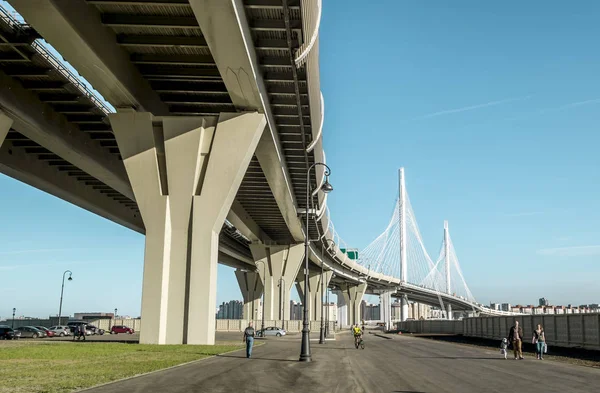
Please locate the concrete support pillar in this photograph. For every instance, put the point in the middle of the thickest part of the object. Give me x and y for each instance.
(404, 308)
(278, 267)
(342, 313)
(385, 303)
(251, 287)
(185, 173)
(5, 124)
(314, 291)
(354, 297)
(449, 311)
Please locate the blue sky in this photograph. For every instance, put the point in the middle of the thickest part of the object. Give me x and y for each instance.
(492, 108)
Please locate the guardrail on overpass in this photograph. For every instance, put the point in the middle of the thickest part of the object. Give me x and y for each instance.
(571, 330)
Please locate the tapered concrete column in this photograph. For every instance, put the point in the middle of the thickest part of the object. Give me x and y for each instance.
(314, 291)
(252, 288)
(355, 295)
(185, 172)
(385, 301)
(403, 308)
(343, 301)
(278, 267)
(5, 124)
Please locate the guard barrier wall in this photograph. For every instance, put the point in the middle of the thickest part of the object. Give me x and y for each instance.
(571, 330)
(427, 326)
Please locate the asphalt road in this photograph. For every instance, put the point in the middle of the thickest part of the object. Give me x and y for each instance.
(399, 365)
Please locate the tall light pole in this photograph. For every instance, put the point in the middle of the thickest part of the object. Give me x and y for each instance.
(262, 325)
(281, 299)
(13, 321)
(322, 331)
(62, 289)
(326, 187)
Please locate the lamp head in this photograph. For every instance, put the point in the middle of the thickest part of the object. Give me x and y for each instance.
(70, 278)
(327, 187)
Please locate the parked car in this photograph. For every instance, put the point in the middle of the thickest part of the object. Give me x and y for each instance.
(121, 329)
(60, 331)
(95, 330)
(7, 333)
(272, 331)
(89, 329)
(49, 333)
(31, 331)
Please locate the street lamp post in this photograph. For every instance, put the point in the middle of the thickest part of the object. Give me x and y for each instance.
(282, 288)
(329, 245)
(62, 288)
(326, 187)
(262, 324)
(13, 320)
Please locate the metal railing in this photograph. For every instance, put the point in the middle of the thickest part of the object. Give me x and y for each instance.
(41, 48)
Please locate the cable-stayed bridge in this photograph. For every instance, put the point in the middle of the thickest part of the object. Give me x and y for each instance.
(399, 252)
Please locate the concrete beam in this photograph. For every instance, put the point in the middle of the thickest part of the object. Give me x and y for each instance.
(242, 221)
(227, 32)
(5, 124)
(74, 28)
(38, 122)
(14, 162)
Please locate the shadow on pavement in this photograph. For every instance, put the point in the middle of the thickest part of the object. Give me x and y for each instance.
(461, 357)
(254, 358)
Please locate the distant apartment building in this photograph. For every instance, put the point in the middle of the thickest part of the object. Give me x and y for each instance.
(419, 311)
(506, 307)
(495, 306)
(396, 310)
(233, 309)
(296, 310)
(544, 302)
(369, 312)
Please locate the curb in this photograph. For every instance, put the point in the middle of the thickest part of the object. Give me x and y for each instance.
(382, 336)
(155, 371)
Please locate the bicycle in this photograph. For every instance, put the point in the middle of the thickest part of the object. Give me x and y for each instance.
(359, 342)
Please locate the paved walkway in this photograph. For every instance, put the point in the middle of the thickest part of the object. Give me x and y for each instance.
(399, 365)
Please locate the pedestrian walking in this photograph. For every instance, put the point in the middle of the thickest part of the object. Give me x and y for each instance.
(539, 339)
(249, 339)
(82, 331)
(515, 336)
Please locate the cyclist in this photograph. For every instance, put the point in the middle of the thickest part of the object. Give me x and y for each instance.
(357, 331)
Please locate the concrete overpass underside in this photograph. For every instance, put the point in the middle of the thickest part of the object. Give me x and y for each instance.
(196, 59)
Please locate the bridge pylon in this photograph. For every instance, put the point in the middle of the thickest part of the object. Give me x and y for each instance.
(403, 238)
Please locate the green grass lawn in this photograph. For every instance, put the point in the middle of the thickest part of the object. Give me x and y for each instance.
(45, 367)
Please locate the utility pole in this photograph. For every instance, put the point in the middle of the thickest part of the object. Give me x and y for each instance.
(403, 261)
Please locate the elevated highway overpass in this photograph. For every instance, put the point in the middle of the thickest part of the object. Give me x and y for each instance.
(218, 116)
(214, 116)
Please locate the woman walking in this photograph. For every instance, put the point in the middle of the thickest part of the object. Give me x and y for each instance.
(539, 339)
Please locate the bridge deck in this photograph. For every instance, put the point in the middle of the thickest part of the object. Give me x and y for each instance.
(402, 364)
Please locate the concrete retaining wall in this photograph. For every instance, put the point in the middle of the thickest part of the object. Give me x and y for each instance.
(572, 330)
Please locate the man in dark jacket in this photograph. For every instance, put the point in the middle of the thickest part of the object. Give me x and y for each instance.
(515, 336)
(249, 339)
